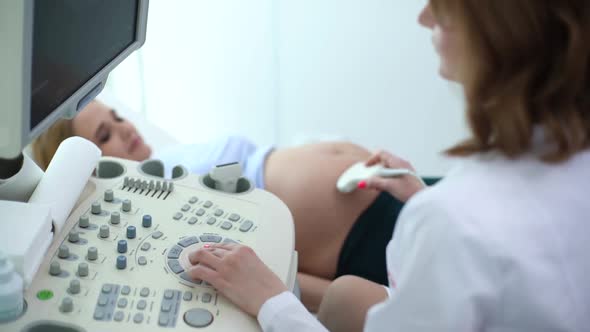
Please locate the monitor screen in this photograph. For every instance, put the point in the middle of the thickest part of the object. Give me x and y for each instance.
(72, 41)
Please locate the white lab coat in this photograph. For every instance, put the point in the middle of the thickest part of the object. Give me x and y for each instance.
(498, 245)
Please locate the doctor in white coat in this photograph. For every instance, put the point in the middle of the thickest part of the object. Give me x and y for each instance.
(502, 243)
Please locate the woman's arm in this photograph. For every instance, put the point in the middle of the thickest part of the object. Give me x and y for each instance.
(239, 274)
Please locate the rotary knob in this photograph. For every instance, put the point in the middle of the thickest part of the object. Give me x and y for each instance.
(127, 205)
(122, 246)
(83, 270)
(96, 209)
(104, 231)
(92, 253)
(67, 305)
(115, 218)
(73, 237)
(84, 221)
(54, 269)
(121, 262)
(147, 221)
(131, 232)
(63, 251)
(109, 196)
(74, 286)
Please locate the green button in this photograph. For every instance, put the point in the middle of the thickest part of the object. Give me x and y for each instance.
(44, 295)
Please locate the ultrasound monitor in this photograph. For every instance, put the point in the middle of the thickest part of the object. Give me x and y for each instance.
(55, 58)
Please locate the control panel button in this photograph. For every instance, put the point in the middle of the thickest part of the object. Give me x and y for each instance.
(163, 320)
(157, 235)
(141, 305)
(54, 269)
(73, 237)
(168, 294)
(67, 305)
(141, 260)
(198, 317)
(146, 222)
(174, 252)
(192, 220)
(96, 208)
(187, 296)
(177, 216)
(104, 231)
(121, 262)
(131, 232)
(125, 290)
(218, 212)
(144, 292)
(226, 225)
(185, 208)
(122, 246)
(193, 200)
(74, 286)
(187, 241)
(146, 246)
(208, 204)
(84, 221)
(211, 221)
(98, 315)
(246, 225)
(119, 316)
(83, 270)
(200, 212)
(206, 298)
(210, 238)
(109, 196)
(184, 276)
(228, 240)
(106, 289)
(175, 266)
(166, 307)
(126, 205)
(122, 303)
(115, 218)
(92, 254)
(138, 318)
(234, 217)
(63, 251)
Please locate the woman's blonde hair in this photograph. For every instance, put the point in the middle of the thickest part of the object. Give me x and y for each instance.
(45, 146)
(526, 64)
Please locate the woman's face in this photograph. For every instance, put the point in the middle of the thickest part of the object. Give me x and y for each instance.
(115, 136)
(444, 39)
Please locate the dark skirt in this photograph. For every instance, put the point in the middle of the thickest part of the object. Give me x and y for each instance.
(363, 251)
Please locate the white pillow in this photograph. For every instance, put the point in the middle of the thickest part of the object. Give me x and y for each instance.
(152, 134)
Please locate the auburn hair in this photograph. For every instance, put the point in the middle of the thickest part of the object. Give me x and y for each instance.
(45, 146)
(526, 64)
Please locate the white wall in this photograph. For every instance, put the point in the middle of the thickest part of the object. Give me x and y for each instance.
(365, 70)
(283, 71)
(209, 69)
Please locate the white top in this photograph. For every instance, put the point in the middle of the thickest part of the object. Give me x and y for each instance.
(498, 245)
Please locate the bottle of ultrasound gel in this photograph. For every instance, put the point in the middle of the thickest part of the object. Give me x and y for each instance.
(11, 290)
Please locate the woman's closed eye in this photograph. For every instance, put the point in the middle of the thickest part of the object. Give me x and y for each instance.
(104, 137)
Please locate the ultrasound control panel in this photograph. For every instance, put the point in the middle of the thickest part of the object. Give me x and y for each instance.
(120, 262)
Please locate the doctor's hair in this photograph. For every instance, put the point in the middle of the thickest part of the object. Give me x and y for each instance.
(526, 65)
(45, 146)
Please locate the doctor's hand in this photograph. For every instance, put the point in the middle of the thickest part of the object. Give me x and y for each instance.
(237, 273)
(402, 187)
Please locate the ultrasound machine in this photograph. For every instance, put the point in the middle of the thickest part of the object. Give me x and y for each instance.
(98, 243)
